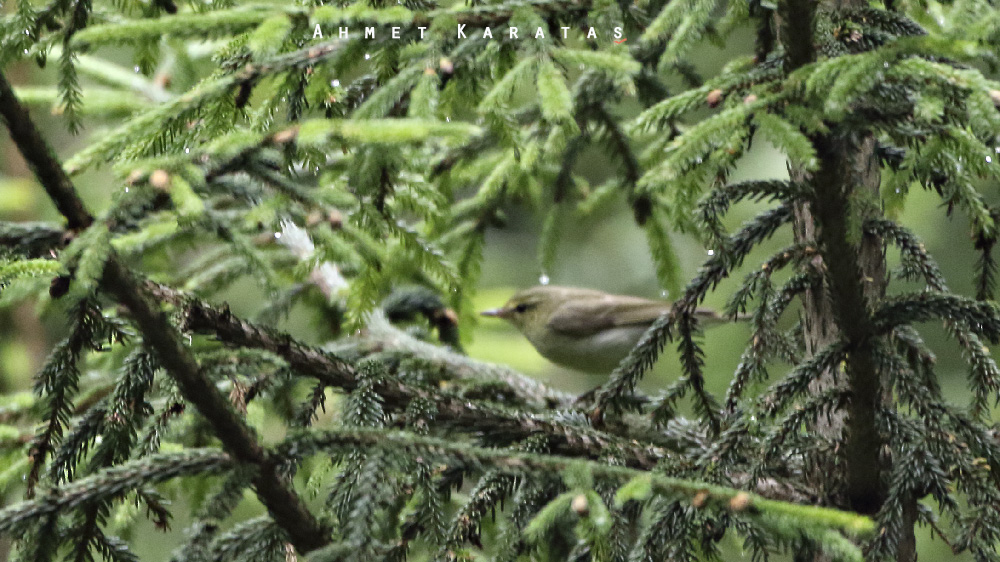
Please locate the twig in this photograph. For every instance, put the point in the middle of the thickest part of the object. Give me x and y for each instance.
(38, 155)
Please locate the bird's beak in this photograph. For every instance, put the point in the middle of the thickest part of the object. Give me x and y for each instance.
(495, 313)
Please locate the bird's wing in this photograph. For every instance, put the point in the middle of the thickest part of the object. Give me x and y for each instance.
(709, 316)
(593, 315)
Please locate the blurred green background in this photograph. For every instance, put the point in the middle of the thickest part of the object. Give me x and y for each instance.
(606, 251)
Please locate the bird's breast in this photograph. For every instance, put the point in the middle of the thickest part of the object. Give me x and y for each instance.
(596, 353)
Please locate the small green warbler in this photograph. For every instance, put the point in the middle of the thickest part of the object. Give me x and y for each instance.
(584, 329)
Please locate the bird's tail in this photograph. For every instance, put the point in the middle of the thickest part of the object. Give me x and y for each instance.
(712, 317)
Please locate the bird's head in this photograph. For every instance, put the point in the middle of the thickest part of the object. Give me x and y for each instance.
(530, 308)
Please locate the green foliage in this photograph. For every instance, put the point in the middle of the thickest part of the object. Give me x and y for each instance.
(269, 35)
(354, 180)
(216, 23)
(318, 133)
(553, 94)
(27, 268)
(789, 139)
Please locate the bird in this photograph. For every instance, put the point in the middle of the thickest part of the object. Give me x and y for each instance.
(584, 329)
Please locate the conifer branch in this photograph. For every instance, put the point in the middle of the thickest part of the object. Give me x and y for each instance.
(982, 317)
(287, 509)
(911, 246)
(619, 143)
(113, 482)
(983, 369)
(30, 239)
(459, 412)
(779, 517)
(201, 317)
(644, 354)
(38, 155)
(715, 205)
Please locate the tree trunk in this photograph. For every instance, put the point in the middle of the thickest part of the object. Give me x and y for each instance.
(839, 307)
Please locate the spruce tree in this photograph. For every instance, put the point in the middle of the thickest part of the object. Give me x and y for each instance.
(356, 176)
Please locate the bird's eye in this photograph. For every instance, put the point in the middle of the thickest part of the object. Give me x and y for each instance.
(521, 308)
